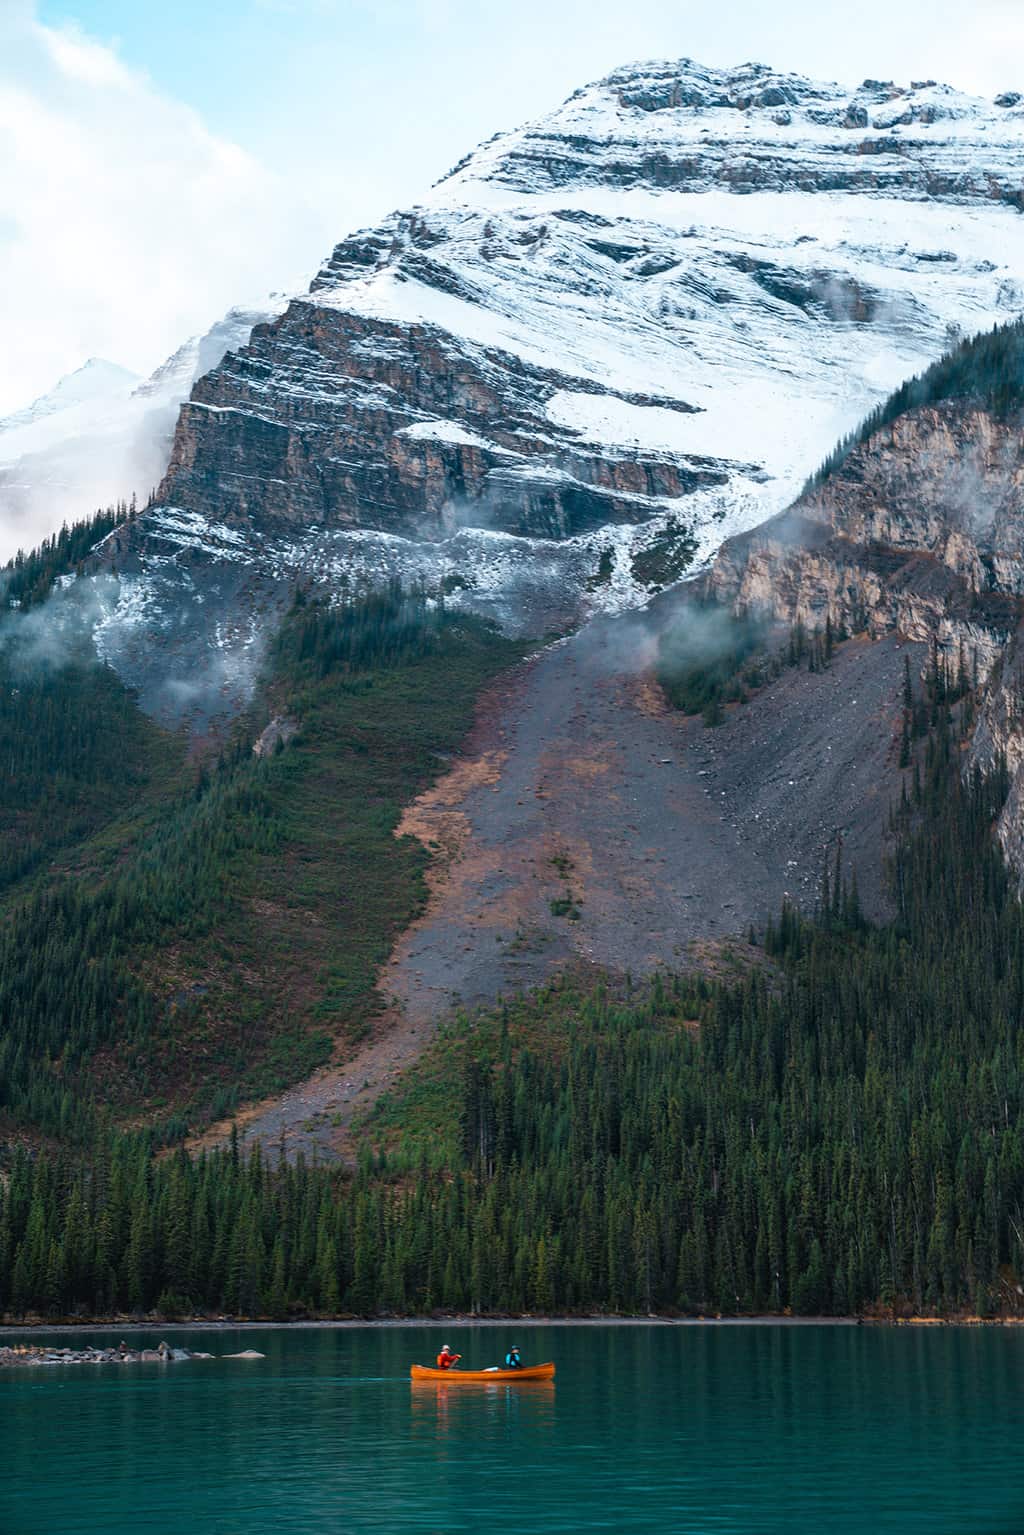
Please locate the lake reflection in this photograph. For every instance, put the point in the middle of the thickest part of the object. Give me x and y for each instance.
(441, 1410)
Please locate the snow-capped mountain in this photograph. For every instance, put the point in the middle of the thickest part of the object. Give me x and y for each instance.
(603, 342)
(97, 383)
(101, 434)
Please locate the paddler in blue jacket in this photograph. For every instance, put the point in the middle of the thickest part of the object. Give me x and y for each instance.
(512, 1359)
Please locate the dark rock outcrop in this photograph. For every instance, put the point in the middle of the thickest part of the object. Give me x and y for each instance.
(328, 418)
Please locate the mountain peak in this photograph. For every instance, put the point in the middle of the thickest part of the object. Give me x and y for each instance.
(96, 379)
(677, 125)
(656, 85)
(604, 341)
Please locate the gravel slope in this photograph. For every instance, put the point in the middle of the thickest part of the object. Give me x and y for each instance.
(661, 833)
(666, 839)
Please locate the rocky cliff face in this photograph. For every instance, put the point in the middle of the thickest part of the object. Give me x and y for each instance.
(919, 534)
(602, 343)
(355, 449)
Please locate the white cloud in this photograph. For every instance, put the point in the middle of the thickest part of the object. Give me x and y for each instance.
(125, 225)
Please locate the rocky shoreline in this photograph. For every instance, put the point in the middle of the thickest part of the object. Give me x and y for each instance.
(32, 1354)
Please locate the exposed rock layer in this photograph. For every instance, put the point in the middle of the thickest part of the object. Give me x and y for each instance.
(410, 390)
(921, 531)
(322, 420)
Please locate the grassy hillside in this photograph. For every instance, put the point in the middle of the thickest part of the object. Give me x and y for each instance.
(175, 935)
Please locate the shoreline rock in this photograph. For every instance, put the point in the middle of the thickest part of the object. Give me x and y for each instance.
(34, 1354)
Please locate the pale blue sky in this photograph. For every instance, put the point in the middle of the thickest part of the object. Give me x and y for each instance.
(162, 158)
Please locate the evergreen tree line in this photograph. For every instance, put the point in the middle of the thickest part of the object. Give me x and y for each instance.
(711, 658)
(68, 985)
(987, 369)
(715, 657)
(381, 627)
(30, 578)
(73, 749)
(843, 1128)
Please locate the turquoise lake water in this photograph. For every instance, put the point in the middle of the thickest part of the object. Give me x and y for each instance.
(720, 1429)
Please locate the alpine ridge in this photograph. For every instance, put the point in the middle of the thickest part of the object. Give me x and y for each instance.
(602, 343)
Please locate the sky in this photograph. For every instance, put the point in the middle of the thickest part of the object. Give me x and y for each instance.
(160, 161)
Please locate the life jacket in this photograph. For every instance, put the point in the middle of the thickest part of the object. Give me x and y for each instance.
(445, 1361)
(513, 1362)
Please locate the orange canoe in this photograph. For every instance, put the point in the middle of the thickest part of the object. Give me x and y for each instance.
(528, 1372)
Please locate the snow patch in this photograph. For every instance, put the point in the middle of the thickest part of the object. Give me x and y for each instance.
(453, 432)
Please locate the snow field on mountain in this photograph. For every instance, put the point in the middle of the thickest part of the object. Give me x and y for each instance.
(771, 383)
(680, 276)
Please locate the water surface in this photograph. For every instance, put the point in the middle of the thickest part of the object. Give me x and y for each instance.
(686, 1429)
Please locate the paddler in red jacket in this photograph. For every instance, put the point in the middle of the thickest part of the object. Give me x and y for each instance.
(446, 1360)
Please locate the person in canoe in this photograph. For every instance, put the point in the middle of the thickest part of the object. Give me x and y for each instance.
(513, 1359)
(446, 1360)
